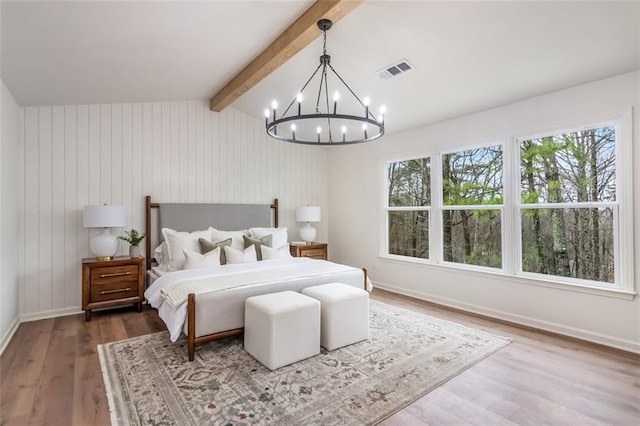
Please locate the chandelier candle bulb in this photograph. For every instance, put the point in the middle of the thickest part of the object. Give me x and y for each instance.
(344, 133)
(336, 97)
(364, 127)
(299, 98)
(293, 131)
(365, 101)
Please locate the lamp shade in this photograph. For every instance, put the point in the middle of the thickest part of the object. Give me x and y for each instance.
(308, 214)
(104, 216)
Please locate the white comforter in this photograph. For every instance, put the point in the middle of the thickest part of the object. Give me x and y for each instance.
(168, 293)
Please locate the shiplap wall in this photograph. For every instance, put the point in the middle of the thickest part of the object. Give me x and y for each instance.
(9, 194)
(117, 154)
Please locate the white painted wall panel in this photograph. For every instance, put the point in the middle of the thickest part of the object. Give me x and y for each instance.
(11, 121)
(72, 218)
(32, 207)
(45, 228)
(117, 154)
(57, 206)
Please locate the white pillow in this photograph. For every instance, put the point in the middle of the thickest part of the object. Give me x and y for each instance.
(247, 255)
(236, 237)
(194, 260)
(275, 253)
(178, 241)
(161, 255)
(279, 235)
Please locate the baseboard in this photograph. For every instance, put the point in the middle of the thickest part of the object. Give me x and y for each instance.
(626, 345)
(51, 314)
(9, 334)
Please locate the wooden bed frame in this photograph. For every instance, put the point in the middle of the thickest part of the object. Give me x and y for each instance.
(192, 340)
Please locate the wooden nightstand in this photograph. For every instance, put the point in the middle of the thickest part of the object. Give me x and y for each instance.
(314, 250)
(112, 283)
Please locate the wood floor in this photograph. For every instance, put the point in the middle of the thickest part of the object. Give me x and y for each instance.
(50, 374)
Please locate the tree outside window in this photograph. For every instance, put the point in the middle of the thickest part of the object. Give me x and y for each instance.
(568, 204)
(472, 198)
(408, 204)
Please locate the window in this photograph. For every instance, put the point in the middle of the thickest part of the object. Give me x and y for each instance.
(407, 209)
(568, 209)
(472, 198)
(551, 208)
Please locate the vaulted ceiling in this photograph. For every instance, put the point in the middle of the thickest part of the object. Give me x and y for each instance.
(468, 56)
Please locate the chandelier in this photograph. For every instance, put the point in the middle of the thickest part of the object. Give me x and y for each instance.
(328, 124)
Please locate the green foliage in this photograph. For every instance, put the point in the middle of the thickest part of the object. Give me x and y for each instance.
(472, 177)
(132, 237)
(409, 183)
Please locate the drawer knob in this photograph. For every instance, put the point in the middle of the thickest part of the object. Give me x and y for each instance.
(119, 274)
(115, 291)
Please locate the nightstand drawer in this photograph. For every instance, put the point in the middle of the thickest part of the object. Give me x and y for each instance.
(316, 253)
(111, 291)
(114, 274)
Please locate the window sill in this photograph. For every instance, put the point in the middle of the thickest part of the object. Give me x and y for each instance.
(539, 282)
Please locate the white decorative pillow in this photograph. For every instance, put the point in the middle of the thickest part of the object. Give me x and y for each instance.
(236, 237)
(279, 235)
(194, 260)
(178, 241)
(247, 255)
(161, 255)
(275, 253)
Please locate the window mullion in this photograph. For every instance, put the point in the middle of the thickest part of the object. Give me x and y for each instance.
(511, 176)
(435, 218)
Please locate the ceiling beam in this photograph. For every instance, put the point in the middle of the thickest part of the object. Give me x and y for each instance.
(299, 34)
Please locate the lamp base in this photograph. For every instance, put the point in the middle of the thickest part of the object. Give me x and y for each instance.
(104, 258)
(104, 245)
(308, 233)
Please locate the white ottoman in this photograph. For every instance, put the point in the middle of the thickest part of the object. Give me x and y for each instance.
(281, 328)
(345, 314)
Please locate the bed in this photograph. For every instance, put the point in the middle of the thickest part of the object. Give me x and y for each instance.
(207, 303)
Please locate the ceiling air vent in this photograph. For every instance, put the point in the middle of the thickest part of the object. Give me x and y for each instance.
(396, 69)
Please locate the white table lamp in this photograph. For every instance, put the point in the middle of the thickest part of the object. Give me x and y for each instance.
(104, 245)
(308, 214)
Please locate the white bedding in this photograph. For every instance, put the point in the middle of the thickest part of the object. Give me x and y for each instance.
(209, 282)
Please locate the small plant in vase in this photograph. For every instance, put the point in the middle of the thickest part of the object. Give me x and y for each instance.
(134, 238)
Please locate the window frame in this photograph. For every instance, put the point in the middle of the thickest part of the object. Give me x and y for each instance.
(442, 208)
(387, 208)
(622, 218)
(511, 271)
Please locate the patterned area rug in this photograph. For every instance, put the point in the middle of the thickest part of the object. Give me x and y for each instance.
(150, 381)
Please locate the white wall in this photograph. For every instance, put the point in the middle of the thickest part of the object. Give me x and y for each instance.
(9, 211)
(117, 154)
(355, 218)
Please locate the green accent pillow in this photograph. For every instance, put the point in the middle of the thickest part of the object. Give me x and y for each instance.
(266, 240)
(206, 246)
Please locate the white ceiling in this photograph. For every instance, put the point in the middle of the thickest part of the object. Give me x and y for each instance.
(469, 56)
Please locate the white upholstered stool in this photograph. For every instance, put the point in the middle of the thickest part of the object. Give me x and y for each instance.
(281, 328)
(344, 314)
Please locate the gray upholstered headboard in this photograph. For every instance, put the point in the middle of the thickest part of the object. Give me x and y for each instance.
(195, 217)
